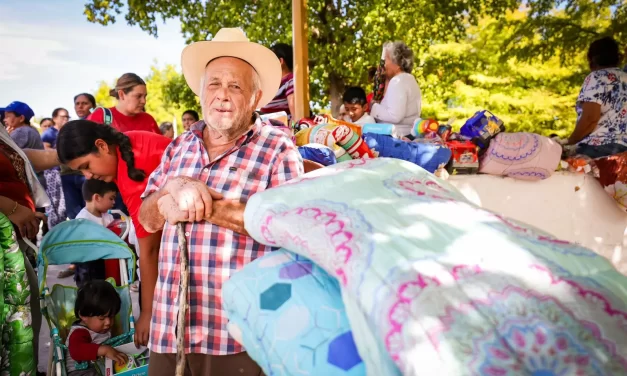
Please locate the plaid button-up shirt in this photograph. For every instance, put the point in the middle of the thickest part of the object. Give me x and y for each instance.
(265, 157)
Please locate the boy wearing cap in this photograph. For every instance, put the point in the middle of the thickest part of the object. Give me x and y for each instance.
(17, 117)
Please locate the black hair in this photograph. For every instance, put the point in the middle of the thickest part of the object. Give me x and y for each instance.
(93, 187)
(354, 95)
(193, 113)
(604, 53)
(372, 71)
(56, 111)
(97, 298)
(46, 119)
(285, 52)
(89, 97)
(78, 138)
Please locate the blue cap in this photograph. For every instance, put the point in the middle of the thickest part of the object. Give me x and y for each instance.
(20, 108)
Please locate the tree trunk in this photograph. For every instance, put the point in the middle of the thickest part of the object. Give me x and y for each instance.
(336, 90)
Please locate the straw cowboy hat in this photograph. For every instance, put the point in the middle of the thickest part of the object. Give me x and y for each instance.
(232, 42)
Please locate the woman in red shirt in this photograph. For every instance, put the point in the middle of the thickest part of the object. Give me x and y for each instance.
(128, 159)
(128, 114)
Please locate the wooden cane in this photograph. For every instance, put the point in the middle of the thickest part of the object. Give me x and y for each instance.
(184, 287)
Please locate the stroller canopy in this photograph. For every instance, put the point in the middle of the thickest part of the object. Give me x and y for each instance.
(81, 240)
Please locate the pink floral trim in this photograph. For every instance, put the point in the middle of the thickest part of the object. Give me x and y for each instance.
(338, 228)
(407, 292)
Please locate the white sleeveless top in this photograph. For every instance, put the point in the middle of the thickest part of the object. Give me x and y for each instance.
(98, 338)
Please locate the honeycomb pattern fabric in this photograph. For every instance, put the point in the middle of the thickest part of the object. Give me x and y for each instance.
(289, 315)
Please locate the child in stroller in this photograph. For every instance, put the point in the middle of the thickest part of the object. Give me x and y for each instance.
(96, 305)
(79, 241)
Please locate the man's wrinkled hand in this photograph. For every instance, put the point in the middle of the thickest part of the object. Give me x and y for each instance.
(192, 196)
(170, 211)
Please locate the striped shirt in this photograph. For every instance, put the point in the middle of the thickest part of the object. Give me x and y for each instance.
(279, 103)
(263, 158)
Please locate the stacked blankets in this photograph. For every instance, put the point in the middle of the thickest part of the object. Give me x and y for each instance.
(399, 274)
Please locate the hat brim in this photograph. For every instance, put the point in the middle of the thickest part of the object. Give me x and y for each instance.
(196, 56)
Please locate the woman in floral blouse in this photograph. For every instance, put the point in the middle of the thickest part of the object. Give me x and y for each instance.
(601, 128)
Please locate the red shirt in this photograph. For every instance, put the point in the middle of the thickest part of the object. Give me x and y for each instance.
(11, 185)
(369, 100)
(148, 149)
(81, 346)
(140, 122)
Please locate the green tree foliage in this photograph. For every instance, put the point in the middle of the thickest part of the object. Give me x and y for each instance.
(563, 27)
(103, 99)
(157, 101)
(523, 60)
(345, 36)
(459, 78)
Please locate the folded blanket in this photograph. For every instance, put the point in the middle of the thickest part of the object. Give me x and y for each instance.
(442, 286)
(427, 156)
(288, 314)
(318, 153)
(525, 156)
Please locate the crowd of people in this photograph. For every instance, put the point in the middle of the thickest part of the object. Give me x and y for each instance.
(119, 157)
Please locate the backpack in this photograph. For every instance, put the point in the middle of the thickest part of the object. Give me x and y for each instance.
(107, 117)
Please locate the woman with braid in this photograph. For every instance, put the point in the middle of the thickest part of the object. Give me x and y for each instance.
(127, 159)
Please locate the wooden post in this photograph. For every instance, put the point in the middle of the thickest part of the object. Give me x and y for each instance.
(301, 59)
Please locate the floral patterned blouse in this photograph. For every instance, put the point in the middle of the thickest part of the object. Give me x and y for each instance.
(607, 87)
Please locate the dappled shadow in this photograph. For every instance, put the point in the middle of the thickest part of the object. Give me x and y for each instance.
(448, 288)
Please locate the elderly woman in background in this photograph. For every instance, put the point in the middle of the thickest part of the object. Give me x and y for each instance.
(601, 128)
(167, 129)
(402, 102)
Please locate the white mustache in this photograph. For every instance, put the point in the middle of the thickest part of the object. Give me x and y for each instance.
(224, 106)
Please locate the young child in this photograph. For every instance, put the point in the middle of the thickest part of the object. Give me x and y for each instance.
(99, 198)
(356, 106)
(96, 305)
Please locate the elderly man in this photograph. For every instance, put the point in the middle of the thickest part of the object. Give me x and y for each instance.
(205, 178)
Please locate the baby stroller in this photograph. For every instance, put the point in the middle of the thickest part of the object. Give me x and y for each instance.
(79, 241)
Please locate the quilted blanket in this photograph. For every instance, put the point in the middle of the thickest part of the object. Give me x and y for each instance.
(289, 314)
(440, 286)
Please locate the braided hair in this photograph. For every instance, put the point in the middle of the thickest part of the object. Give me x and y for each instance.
(78, 138)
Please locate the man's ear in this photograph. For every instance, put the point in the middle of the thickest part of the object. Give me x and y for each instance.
(257, 98)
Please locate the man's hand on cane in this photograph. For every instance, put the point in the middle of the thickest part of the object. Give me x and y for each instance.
(188, 200)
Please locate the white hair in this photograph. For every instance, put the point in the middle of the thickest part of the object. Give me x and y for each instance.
(401, 55)
(256, 87)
